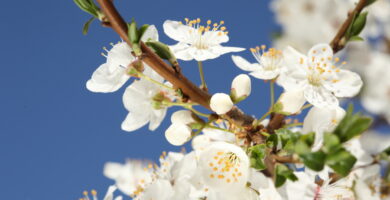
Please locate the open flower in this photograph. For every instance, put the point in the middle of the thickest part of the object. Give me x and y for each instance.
(318, 77)
(224, 167)
(111, 76)
(138, 100)
(196, 41)
(179, 132)
(269, 63)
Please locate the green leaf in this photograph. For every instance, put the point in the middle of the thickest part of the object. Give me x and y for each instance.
(341, 161)
(314, 160)
(369, 2)
(162, 50)
(358, 24)
(331, 143)
(86, 25)
(272, 140)
(257, 155)
(352, 125)
(282, 173)
(133, 32)
(86, 6)
(356, 38)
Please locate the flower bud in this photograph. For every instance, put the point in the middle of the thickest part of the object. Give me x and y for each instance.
(182, 117)
(177, 134)
(241, 87)
(221, 103)
(291, 101)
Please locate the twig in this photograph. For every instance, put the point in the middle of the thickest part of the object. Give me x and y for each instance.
(338, 41)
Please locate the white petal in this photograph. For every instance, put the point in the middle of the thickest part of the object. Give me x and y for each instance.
(292, 101)
(320, 97)
(160, 189)
(221, 103)
(215, 37)
(294, 59)
(110, 193)
(104, 80)
(348, 85)
(243, 64)
(157, 116)
(151, 33)
(120, 56)
(181, 51)
(135, 98)
(219, 50)
(135, 121)
(177, 31)
(202, 54)
(260, 73)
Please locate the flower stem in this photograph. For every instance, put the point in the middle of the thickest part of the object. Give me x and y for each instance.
(203, 86)
(292, 125)
(154, 81)
(197, 112)
(218, 128)
(272, 92)
(264, 116)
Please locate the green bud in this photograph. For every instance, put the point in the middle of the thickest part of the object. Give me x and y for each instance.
(163, 51)
(358, 24)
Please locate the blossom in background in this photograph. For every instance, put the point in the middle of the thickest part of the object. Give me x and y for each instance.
(111, 76)
(138, 99)
(318, 77)
(197, 41)
(320, 121)
(269, 63)
(306, 23)
(376, 94)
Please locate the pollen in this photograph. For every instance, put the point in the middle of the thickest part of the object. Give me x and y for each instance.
(221, 176)
(93, 192)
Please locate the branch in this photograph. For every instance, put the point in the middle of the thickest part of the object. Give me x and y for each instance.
(338, 41)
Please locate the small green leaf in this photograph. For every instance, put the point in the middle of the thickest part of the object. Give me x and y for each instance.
(358, 24)
(356, 38)
(341, 161)
(369, 2)
(272, 140)
(86, 25)
(331, 143)
(257, 154)
(162, 50)
(352, 125)
(314, 160)
(133, 32)
(87, 7)
(282, 173)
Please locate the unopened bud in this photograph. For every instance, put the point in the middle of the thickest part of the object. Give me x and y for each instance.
(177, 134)
(291, 102)
(221, 103)
(241, 87)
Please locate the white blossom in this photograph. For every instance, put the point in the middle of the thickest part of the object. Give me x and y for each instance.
(196, 41)
(269, 63)
(318, 77)
(111, 76)
(130, 177)
(221, 103)
(241, 86)
(138, 100)
(224, 167)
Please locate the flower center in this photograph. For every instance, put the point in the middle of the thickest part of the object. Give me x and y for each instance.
(270, 59)
(226, 167)
(199, 31)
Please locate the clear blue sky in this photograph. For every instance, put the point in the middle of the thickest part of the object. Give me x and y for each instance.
(55, 135)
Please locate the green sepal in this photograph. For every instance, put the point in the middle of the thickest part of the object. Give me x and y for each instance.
(257, 155)
(358, 24)
(356, 38)
(87, 24)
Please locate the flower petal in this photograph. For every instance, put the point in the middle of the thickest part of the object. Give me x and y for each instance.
(177, 31)
(119, 56)
(243, 64)
(135, 121)
(151, 33)
(156, 118)
(348, 84)
(320, 97)
(181, 51)
(135, 98)
(260, 73)
(215, 37)
(103, 80)
(322, 50)
(219, 50)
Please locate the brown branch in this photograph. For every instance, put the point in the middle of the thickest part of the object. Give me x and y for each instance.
(339, 40)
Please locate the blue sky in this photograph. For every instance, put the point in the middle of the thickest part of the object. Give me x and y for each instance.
(55, 136)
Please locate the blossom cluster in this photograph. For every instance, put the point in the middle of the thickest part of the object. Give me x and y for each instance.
(329, 155)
